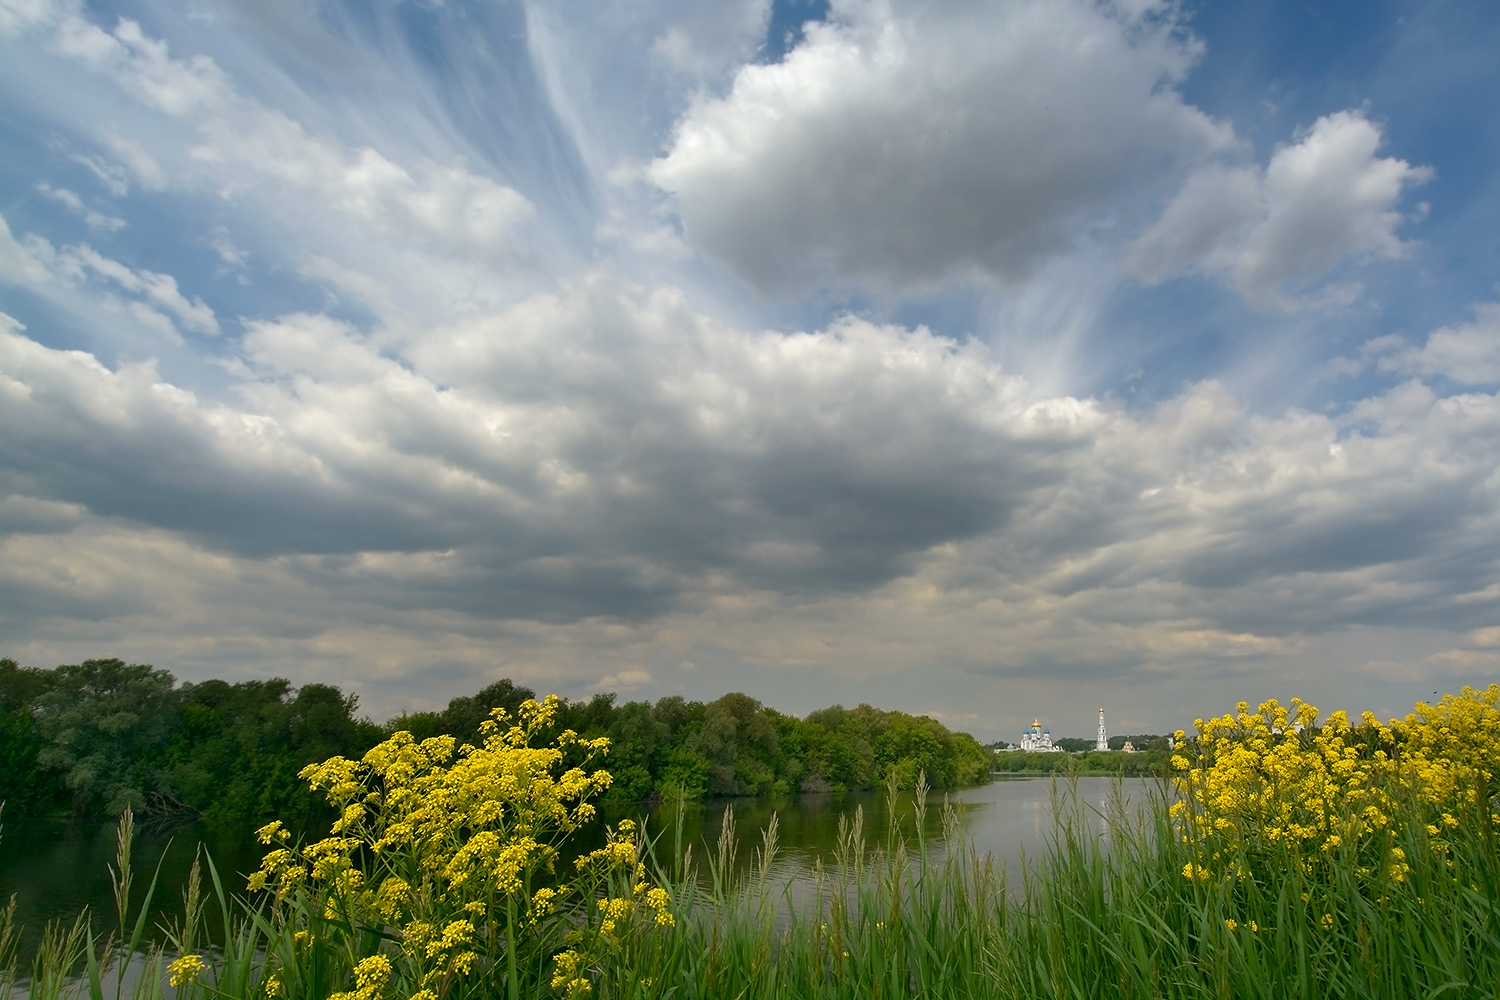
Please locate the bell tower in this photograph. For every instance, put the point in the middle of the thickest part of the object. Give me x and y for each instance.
(1102, 743)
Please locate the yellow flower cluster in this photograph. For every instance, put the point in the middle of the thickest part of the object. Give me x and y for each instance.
(1272, 782)
(450, 852)
(185, 970)
(568, 977)
(371, 976)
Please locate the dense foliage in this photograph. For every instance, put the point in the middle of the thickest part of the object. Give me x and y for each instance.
(95, 737)
(735, 745)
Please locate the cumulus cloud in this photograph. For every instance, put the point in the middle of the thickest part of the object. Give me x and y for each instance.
(621, 484)
(1324, 198)
(619, 76)
(1468, 353)
(628, 678)
(903, 144)
(606, 450)
(431, 447)
(581, 438)
(142, 65)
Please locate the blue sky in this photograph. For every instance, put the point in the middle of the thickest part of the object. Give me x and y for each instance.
(988, 359)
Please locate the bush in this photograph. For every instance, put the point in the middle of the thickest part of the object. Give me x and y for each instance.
(439, 877)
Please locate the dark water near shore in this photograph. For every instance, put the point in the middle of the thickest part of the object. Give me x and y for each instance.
(56, 870)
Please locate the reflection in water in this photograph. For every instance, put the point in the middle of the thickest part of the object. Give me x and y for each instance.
(56, 870)
(1010, 818)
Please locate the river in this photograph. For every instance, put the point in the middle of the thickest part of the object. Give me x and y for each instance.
(55, 870)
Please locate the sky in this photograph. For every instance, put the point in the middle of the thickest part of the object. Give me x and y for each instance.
(994, 360)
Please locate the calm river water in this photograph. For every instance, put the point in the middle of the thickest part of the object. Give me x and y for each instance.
(56, 870)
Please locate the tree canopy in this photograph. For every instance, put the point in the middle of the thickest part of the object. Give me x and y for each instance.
(95, 737)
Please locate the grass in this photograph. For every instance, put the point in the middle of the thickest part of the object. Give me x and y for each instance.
(1096, 917)
(1105, 911)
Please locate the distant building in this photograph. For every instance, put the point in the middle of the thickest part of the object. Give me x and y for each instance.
(1102, 743)
(1038, 740)
(1129, 747)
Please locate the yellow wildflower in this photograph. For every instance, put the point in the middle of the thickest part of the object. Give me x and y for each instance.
(437, 846)
(185, 970)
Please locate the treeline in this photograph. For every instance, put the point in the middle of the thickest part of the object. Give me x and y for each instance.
(1141, 742)
(1111, 762)
(90, 739)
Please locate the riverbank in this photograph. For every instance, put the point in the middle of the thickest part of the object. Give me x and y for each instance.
(1334, 861)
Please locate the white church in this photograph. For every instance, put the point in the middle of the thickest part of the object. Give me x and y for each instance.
(1039, 740)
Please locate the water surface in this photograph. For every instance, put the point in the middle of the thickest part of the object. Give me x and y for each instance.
(56, 869)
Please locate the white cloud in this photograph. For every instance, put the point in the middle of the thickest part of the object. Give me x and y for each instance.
(446, 208)
(427, 448)
(460, 212)
(1217, 206)
(95, 220)
(1323, 199)
(618, 75)
(160, 289)
(907, 143)
(1468, 354)
(143, 66)
(236, 143)
(628, 678)
(611, 435)
(19, 16)
(26, 261)
(636, 486)
(704, 39)
(229, 252)
(134, 157)
(34, 262)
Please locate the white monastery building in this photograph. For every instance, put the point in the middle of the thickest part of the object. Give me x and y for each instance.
(1038, 740)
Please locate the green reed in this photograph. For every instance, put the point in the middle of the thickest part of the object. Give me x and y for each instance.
(1103, 912)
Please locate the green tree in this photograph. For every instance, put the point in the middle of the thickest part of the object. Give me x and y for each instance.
(101, 720)
(25, 788)
(235, 754)
(638, 752)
